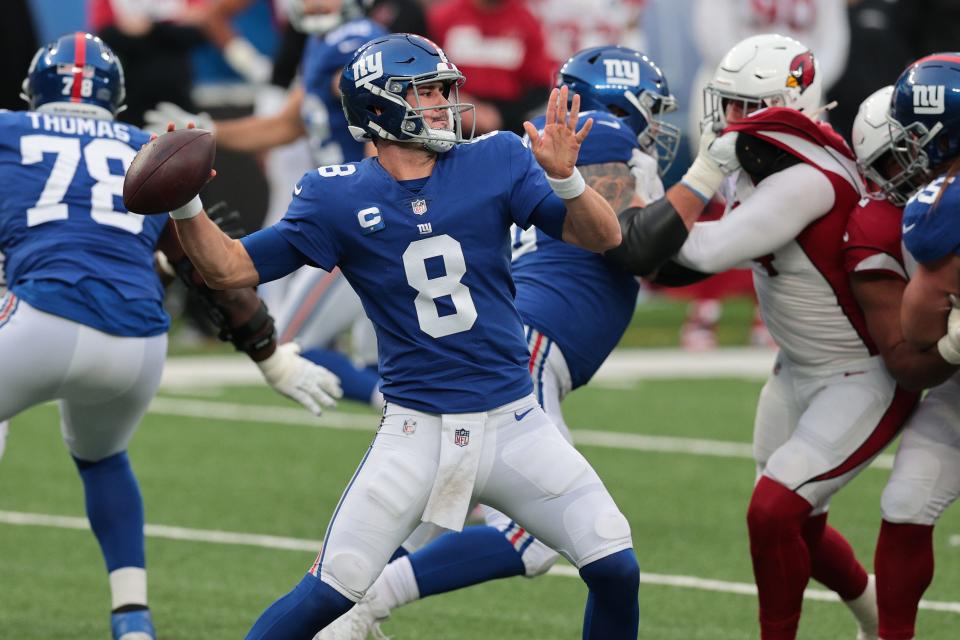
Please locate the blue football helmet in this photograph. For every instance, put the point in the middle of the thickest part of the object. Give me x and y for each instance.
(629, 85)
(374, 90)
(925, 114)
(76, 69)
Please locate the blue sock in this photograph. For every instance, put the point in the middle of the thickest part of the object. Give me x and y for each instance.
(358, 383)
(300, 614)
(115, 509)
(613, 612)
(457, 560)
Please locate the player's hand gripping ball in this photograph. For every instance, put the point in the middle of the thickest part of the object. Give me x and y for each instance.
(169, 171)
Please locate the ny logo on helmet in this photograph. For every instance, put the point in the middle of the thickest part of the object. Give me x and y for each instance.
(802, 71)
(928, 98)
(623, 72)
(368, 68)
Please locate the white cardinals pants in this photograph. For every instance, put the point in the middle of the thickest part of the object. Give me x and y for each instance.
(817, 428)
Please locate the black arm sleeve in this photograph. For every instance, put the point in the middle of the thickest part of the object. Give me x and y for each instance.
(674, 274)
(239, 314)
(651, 235)
(286, 61)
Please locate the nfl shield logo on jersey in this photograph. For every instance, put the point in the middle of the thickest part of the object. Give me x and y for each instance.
(461, 437)
(419, 206)
(409, 426)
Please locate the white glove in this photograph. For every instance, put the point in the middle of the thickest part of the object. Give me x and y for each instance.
(645, 172)
(716, 160)
(296, 377)
(166, 112)
(949, 345)
(246, 60)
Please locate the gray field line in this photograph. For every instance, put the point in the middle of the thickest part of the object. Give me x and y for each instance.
(192, 408)
(312, 546)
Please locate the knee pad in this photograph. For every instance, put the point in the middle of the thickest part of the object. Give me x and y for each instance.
(594, 528)
(537, 559)
(908, 501)
(349, 573)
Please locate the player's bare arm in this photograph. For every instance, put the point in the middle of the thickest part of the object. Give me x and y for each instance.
(879, 296)
(614, 182)
(590, 222)
(255, 134)
(252, 134)
(222, 261)
(926, 301)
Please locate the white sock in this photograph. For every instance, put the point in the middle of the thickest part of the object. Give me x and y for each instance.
(397, 585)
(128, 585)
(864, 608)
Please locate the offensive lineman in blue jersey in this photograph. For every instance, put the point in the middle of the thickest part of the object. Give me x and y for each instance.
(574, 306)
(421, 233)
(83, 319)
(312, 307)
(925, 122)
(925, 126)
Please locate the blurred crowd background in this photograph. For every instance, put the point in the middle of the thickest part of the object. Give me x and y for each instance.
(231, 57)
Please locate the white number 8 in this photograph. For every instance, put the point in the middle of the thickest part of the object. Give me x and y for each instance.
(429, 289)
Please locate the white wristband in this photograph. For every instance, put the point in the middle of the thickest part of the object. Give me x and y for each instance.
(570, 187)
(190, 210)
(948, 350)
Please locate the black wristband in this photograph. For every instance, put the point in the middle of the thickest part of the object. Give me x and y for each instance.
(651, 235)
(253, 335)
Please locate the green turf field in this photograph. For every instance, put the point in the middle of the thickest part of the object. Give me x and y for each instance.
(249, 476)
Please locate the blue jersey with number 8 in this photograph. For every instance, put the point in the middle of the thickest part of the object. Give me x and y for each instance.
(71, 247)
(432, 268)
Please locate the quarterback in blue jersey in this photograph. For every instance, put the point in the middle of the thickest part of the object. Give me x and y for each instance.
(422, 234)
(80, 271)
(313, 307)
(574, 305)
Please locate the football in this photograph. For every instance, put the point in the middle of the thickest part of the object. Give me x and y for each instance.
(169, 171)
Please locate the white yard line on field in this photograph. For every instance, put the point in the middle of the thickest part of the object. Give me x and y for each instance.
(301, 544)
(191, 408)
(621, 368)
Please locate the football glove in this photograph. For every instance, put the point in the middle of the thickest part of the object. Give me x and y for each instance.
(296, 377)
(157, 119)
(246, 60)
(716, 159)
(644, 168)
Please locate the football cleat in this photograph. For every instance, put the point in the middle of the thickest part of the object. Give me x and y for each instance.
(132, 625)
(361, 622)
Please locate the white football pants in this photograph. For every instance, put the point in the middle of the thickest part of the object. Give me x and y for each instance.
(527, 470)
(104, 383)
(816, 428)
(926, 469)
